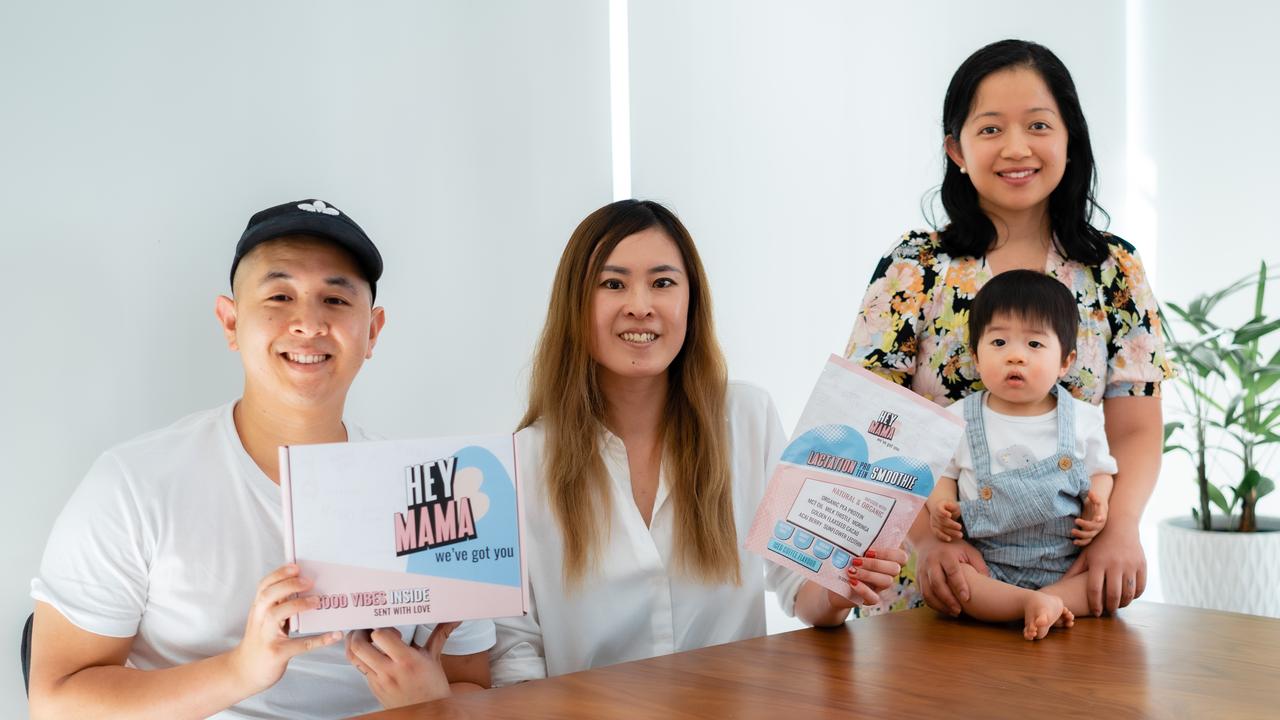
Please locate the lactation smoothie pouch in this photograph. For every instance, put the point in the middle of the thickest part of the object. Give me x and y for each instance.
(860, 464)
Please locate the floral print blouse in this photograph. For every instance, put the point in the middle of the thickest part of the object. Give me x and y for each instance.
(913, 329)
(913, 325)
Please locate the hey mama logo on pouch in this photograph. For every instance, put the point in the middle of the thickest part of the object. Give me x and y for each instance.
(884, 426)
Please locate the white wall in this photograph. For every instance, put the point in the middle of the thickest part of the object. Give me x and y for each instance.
(467, 138)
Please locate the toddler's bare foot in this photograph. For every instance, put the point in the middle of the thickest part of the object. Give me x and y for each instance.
(1066, 620)
(1042, 612)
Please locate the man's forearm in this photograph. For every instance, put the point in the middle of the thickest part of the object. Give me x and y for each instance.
(194, 690)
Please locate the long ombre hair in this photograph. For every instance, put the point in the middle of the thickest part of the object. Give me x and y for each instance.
(565, 396)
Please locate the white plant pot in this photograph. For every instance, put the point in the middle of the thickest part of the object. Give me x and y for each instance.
(1237, 572)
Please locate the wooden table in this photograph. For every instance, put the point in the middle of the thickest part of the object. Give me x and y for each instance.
(1151, 660)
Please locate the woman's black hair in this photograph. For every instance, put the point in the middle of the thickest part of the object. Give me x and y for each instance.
(1071, 204)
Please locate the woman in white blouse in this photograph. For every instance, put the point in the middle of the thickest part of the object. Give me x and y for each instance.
(642, 467)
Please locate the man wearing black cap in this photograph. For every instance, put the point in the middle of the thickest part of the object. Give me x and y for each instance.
(169, 555)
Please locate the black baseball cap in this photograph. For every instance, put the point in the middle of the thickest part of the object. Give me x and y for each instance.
(318, 219)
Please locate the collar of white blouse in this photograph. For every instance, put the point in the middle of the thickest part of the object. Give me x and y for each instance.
(615, 460)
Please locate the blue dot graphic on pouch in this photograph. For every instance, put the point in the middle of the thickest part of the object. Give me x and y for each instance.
(839, 440)
(482, 478)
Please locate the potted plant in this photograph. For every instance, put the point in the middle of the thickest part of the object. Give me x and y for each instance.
(1227, 387)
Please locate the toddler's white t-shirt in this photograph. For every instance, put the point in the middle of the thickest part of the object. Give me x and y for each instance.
(1016, 441)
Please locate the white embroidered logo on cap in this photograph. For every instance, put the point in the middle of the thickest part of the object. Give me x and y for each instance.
(318, 206)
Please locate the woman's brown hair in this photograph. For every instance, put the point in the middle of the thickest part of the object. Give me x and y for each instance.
(565, 396)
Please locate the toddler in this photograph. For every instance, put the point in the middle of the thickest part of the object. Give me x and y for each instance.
(1029, 485)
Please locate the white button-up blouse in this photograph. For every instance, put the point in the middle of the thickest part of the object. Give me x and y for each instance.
(636, 606)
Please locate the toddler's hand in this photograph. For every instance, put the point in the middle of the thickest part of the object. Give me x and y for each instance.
(944, 520)
(1092, 519)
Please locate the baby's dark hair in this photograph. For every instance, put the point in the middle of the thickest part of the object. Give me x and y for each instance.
(1032, 296)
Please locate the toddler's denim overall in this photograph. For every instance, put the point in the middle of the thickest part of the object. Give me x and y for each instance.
(1021, 520)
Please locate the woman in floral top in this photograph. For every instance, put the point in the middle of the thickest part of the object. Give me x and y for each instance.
(1018, 190)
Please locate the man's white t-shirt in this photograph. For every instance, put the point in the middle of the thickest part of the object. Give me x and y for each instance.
(1015, 442)
(166, 540)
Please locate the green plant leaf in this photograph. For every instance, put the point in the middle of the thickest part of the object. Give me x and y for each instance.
(1262, 289)
(1234, 361)
(1195, 314)
(1204, 360)
(1256, 328)
(1217, 498)
(1247, 483)
(1241, 410)
(1265, 486)
(1264, 379)
(1230, 415)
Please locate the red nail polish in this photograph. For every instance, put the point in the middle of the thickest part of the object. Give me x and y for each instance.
(857, 561)
(870, 554)
(853, 581)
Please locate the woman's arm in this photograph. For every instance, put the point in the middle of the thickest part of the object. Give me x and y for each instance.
(1136, 365)
(939, 570)
(467, 673)
(868, 577)
(1115, 561)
